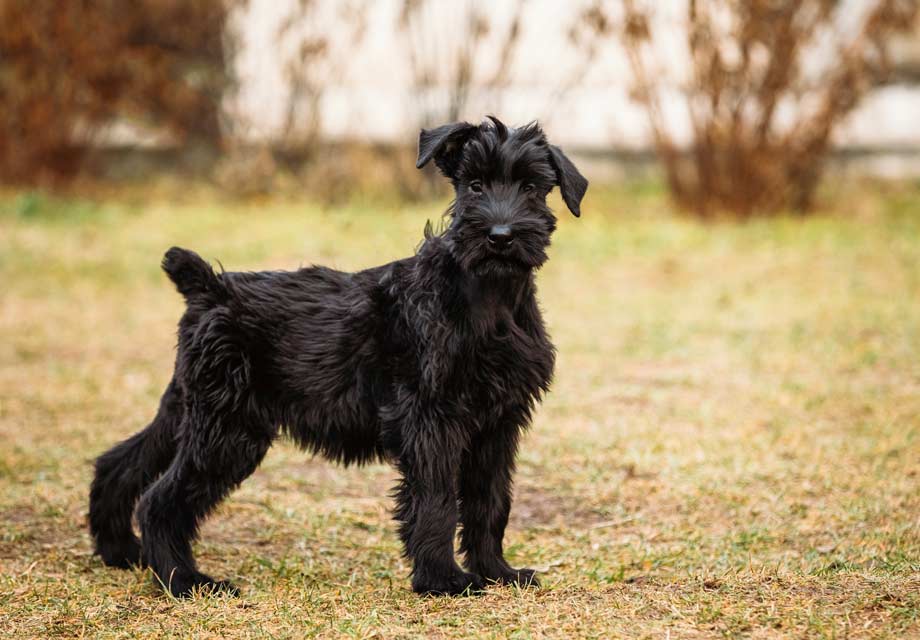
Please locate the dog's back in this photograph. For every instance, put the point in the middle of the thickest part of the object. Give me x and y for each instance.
(302, 343)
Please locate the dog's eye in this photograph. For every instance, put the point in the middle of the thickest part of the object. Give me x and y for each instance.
(530, 186)
(476, 186)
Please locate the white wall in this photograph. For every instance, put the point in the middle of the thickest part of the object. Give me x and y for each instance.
(370, 95)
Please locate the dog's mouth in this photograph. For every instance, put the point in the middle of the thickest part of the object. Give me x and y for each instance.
(501, 265)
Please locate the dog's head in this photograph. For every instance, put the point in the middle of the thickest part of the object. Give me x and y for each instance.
(500, 223)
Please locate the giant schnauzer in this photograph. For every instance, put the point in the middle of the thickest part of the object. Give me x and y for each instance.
(433, 362)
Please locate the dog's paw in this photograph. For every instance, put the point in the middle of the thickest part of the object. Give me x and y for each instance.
(456, 583)
(186, 585)
(520, 577)
(121, 554)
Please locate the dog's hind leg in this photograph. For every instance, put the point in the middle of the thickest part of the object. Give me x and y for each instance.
(123, 473)
(218, 452)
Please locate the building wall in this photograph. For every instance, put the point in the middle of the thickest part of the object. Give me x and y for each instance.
(370, 94)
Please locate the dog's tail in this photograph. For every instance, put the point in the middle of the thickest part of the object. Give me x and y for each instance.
(194, 278)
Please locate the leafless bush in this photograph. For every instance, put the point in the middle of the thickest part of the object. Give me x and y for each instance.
(310, 43)
(68, 69)
(313, 62)
(769, 81)
(445, 42)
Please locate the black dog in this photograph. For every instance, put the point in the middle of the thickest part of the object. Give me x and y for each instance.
(433, 362)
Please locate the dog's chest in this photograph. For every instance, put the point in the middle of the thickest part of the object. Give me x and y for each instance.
(504, 364)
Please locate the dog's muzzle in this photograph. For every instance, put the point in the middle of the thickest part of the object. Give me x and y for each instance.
(500, 237)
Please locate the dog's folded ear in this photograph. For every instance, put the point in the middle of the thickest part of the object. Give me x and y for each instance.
(443, 144)
(571, 183)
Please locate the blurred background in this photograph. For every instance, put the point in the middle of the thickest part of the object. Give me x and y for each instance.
(740, 107)
(731, 447)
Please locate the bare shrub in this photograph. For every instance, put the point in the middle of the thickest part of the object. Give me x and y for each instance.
(445, 42)
(316, 36)
(246, 172)
(310, 44)
(768, 83)
(68, 69)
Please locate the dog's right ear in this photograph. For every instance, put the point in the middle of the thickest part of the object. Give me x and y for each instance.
(443, 144)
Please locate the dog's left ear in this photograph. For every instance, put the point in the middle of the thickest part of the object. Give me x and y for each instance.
(444, 144)
(571, 183)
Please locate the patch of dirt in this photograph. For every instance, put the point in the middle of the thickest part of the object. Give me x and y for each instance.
(23, 530)
(536, 507)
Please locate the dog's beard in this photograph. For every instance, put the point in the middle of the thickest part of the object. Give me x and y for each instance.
(498, 266)
(482, 262)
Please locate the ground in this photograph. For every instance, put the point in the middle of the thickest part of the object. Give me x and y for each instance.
(731, 447)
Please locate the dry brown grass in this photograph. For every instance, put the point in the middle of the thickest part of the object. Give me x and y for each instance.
(731, 448)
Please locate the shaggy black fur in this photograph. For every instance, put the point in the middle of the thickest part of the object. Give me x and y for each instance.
(433, 362)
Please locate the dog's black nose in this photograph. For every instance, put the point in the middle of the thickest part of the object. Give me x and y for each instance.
(500, 236)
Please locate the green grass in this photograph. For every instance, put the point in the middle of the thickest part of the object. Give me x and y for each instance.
(731, 447)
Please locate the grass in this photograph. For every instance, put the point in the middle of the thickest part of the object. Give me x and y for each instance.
(731, 447)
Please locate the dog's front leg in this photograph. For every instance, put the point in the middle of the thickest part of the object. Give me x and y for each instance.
(426, 508)
(485, 502)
